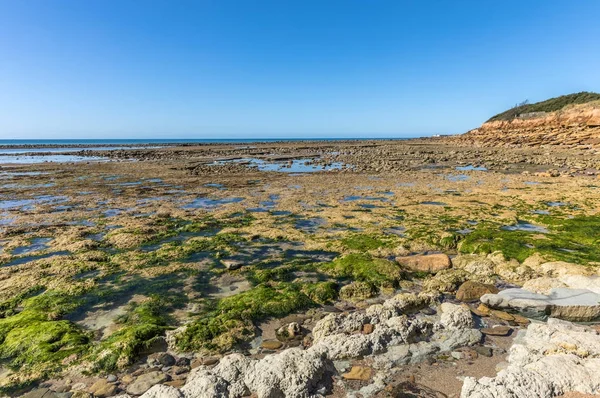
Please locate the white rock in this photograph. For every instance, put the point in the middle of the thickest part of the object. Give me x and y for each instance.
(564, 303)
(456, 316)
(291, 373)
(204, 384)
(162, 391)
(546, 361)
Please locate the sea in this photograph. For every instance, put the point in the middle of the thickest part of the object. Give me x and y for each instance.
(157, 141)
(18, 151)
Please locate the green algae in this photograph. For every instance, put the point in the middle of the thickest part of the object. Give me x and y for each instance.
(230, 322)
(363, 242)
(35, 341)
(142, 326)
(365, 268)
(321, 292)
(573, 240)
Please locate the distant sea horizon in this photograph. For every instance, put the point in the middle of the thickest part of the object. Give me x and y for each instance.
(144, 141)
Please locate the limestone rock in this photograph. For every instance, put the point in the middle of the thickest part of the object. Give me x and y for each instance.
(291, 373)
(162, 391)
(456, 316)
(204, 384)
(548, 360)
(542, 285)
(564, 303)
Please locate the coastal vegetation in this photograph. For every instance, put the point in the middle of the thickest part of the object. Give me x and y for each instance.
(549, 105)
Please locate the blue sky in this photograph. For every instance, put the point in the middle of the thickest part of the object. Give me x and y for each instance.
(305, 68)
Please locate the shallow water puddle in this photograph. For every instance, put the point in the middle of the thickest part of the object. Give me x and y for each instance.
(310, 225)
(291, 166)
(398, 231)
(557, 204)
(525, 226)
(206, 203)
(457, 177)
(266, 205)
(27, 259)
(34, 159)
(215, 185)
(541, 212)
(471, 168)
(25, 186)
(37, 244)
(434, 203)
(354, 198)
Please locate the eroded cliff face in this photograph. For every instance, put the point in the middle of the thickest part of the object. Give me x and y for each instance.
(572, 126)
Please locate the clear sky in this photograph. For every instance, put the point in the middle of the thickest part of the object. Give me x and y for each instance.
(284, 68)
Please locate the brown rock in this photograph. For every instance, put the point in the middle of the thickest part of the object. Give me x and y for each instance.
(484, 309)
(521, 320)
(102, 389)
(127, 379)
(497, 331)
(271, 344)
(505, 316)
(368, 328)
(431, 263)
(175, 383)
(471, 291)
(210, 361)
(359, 373)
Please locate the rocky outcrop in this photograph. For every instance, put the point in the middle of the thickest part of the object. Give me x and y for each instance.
(574, 126)
(384, 329)
(547, 360)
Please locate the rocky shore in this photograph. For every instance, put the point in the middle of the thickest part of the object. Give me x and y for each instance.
(357, 268)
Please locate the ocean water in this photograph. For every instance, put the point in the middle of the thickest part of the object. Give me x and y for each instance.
(144, 141)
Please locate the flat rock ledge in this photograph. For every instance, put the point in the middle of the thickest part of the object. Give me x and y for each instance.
(547, 360)
(393, 337)
(578, 298)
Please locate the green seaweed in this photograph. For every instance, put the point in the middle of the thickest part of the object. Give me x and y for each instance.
(363, 242)
(569, 239)
(231, 320)
(365, 268)
(35, 341)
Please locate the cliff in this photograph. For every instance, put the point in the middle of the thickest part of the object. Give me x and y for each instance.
(563, 121)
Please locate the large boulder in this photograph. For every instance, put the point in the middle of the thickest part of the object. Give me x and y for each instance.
(431, 263)
(471, 291)
(579, 305)
(548, 360)
(291, 373)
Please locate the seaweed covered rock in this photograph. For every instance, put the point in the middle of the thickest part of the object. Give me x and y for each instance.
(358, 291)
